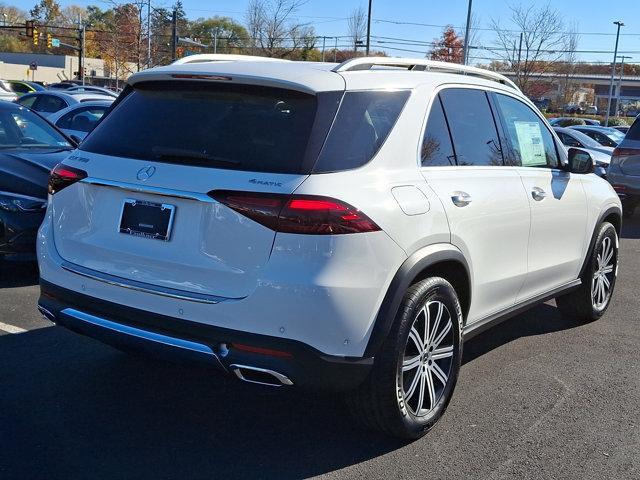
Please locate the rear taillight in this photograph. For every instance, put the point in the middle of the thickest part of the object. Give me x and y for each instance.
(624, 152)
(62, 176)
(305, 214)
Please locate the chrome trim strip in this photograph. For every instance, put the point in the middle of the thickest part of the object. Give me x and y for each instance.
(134, 187)
(141, 286)
(139, 333)
(283, 379)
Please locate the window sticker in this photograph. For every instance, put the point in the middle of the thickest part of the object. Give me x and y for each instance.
(530, 144)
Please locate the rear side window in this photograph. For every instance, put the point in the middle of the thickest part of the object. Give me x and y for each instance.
(568, 140)
(362, 124)
(50, 104)
(436, 144)
(82, 120)
(472, 127)
(237, 127)
(28, 101)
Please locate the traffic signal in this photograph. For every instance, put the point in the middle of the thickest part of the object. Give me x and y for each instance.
(28, 25)
(49, 40)
(35, 35)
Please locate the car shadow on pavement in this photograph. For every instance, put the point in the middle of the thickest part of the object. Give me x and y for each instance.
(73, 408)
(540, 320)
(18, 274)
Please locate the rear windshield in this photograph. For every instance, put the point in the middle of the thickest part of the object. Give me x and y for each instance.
(634, 133)
(223, 126)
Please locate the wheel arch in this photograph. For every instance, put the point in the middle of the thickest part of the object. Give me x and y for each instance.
(612, 215)
(441, 260)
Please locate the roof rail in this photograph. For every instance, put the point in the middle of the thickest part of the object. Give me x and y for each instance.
(223, 57)
(422, 64)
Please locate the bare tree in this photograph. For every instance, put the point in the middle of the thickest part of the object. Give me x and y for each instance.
(273, 28)
(568, 66)
(357, 26)
(533, 45)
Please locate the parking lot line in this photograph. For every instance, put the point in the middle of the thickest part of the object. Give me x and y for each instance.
(5, 327)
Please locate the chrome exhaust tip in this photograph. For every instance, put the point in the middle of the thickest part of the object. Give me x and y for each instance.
(261, 376)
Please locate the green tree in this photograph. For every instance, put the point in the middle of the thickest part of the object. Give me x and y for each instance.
(232, 37)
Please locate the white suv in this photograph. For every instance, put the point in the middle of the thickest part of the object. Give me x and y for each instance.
(332, 226)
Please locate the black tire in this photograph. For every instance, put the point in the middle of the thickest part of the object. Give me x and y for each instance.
(580, 305)
(380, 403)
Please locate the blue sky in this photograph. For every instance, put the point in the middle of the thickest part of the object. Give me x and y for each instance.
(329, 18)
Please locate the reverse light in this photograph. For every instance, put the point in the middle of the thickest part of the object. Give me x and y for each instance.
(302, 214)
(62, 176)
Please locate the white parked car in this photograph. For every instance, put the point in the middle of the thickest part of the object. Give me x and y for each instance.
(332, 226)
(79, 119)
(52, 101)
(6, 92)
(601, 155)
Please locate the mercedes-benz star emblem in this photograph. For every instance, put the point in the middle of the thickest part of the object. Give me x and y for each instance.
(146, 172)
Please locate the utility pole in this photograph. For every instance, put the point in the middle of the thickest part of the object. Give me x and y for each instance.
(620, 80)
(467, 33)
(613, 73)
(335, 51)
(81, 38)
(215, 40)
(324, 40)
(368, 29)
(174, 35)
(149, 34)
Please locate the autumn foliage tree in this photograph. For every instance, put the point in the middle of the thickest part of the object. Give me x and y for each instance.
(448, 48)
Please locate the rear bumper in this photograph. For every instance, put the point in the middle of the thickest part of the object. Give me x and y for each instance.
(626, 186)
(159, 335)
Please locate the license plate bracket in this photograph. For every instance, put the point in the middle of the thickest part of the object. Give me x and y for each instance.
(146, 219)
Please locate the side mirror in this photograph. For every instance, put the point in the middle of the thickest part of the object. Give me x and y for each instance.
(580, 161)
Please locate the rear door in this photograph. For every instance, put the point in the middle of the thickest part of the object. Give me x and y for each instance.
(143, 213)
(484, 200)
(556, 197)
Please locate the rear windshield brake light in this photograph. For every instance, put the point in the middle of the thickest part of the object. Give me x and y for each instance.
(303, 214)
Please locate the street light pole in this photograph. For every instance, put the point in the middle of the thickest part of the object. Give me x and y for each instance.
(467, 32)
(368, 29)
(622, 57)
(613, 72)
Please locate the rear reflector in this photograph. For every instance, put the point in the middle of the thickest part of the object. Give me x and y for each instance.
(619, 188)
(62, 176)
(260, 350)
(304, 214)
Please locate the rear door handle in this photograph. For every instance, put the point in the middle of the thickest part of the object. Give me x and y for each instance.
(538, 194)
(461, 199)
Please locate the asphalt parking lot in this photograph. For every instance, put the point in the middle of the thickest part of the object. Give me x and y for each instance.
(538, 398)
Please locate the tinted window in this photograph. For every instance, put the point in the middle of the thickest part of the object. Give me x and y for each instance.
(531, 142)
(22, 129)
(27, 101)
(436, 144)
(362, 124)
(223, 126)
(20, 88)
(634, 132)
(82, 120)
(49, 104)
(472, 127)
(568, 140)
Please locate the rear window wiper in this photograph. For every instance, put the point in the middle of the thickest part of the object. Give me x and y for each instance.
(185, 153)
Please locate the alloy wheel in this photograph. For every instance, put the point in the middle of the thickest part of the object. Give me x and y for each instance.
(427, 359)
(604, 274)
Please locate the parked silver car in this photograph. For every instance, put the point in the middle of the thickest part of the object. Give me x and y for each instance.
(79, 119)
(600, 154)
